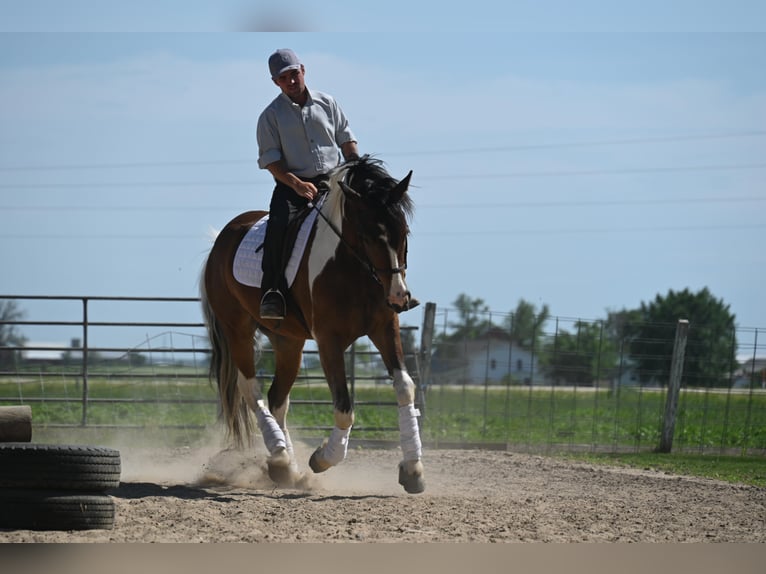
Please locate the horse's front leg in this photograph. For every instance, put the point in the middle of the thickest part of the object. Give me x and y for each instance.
(388, 342)
(411, 466)
(335, 448)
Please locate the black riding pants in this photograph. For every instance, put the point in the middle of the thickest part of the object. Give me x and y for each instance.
(284, 208)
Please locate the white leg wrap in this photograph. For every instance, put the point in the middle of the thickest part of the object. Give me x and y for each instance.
(290, 451)
(280, 415)
(409, 436)
(267, 424)
(334, 451)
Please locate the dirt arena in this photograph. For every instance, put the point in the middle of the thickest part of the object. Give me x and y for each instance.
(205, 495)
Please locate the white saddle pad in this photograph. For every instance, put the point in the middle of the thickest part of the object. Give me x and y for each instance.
(247, 259)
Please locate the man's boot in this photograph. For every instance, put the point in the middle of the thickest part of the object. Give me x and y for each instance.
(272, 305)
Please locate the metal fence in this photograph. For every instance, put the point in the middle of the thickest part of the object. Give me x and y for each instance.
(577, 384)
(574, 385)
(159, 365)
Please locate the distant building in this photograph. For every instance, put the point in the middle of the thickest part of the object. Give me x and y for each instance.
(46, 353)
(749, 369)
(42, 353)
(491, 358)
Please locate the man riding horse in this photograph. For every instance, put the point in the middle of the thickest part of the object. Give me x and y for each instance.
(302, 135)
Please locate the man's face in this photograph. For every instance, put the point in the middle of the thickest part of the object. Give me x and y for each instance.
(292, 83)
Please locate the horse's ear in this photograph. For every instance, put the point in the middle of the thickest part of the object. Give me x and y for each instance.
(398, 192)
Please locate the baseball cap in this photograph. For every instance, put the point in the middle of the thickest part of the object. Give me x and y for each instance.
(281, 61)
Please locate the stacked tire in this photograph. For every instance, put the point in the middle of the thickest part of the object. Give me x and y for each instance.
(57, 487)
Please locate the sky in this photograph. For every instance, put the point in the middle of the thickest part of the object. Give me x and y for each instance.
(585, 155)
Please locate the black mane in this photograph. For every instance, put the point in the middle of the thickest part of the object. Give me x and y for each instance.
(369, 178)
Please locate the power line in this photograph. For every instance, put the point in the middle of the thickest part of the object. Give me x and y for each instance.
(510, 175)
(617, 171)
(612, 230)
(475, 205)
(123, 184)
(468, 150)
(597, 203)
(126, 165)
(450, 232)
(595, 143)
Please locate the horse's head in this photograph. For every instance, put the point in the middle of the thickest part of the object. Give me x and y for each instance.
(379, 208)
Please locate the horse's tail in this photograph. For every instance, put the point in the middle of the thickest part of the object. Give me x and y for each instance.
(232, 408)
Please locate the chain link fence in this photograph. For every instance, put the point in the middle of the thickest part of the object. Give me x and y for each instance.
(584, 385)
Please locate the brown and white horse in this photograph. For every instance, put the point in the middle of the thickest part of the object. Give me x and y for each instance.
(350, 283)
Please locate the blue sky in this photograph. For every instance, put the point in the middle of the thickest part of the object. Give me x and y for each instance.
(585, 158)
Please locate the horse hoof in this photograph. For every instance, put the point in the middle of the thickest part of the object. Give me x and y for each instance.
(279, 457)
(283, 476)
(412, 483)
(316, 463)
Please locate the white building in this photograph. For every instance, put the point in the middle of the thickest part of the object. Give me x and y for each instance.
(492, 358)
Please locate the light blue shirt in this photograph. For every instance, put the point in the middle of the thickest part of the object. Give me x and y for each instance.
(308, 138)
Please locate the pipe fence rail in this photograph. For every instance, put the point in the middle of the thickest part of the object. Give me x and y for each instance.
(120, 363)
(54, 377)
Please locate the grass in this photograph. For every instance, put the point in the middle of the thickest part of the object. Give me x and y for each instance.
(631, 419)
(550, 420)
(749, 470)
(542, 418)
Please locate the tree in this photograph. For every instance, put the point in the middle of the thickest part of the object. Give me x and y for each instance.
(580, 358)
(525, 323)
(711, 345)
(470, 323)
(9, 334)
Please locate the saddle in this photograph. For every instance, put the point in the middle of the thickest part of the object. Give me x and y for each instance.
(247, 260)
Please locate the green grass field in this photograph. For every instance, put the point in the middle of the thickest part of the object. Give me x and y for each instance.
(631, 419)
(619, 428)
(736, 469)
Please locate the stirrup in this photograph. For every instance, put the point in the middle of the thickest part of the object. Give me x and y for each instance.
(272, 305)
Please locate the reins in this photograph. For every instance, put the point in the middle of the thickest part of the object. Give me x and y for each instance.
(362, 259)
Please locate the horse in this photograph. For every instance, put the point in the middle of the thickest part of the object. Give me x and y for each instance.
(350, 282)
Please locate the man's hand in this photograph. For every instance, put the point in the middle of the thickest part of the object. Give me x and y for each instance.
(302, 188)
(305, 189)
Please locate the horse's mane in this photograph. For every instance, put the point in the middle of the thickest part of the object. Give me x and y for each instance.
(369, 178)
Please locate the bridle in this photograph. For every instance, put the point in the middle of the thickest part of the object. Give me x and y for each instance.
(362, 258)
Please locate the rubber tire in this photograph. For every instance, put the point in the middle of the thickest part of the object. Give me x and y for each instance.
(58, 467)
(22, 509)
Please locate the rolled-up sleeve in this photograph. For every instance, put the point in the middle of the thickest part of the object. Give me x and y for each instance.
(343, 133)
(269, 144)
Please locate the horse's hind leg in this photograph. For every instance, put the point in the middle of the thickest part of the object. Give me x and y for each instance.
(288, 354)
(250, 389)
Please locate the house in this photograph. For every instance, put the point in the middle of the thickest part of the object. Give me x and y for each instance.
(752, 368)
(628, 375)
(491, 358)
(41, 353)
(45, 353)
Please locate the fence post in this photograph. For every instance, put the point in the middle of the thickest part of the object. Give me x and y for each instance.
(424, 364)
(84, 421)
(674, 385)
(352, 370)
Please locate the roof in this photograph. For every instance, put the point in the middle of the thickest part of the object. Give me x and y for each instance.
(42, 351)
